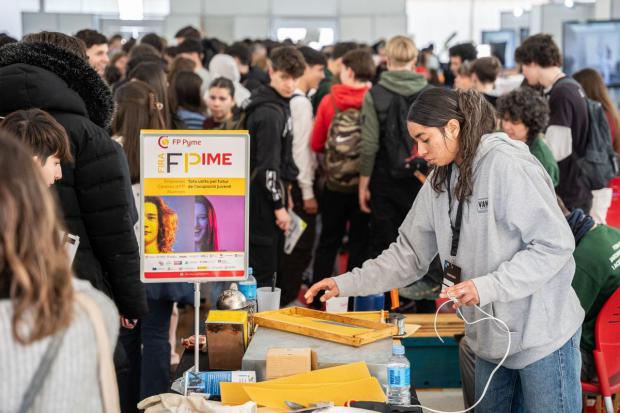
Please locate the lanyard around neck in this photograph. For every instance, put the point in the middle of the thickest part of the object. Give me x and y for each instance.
(456, 227)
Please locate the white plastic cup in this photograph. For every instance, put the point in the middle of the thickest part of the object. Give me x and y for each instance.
(337, 305)
(268, 300)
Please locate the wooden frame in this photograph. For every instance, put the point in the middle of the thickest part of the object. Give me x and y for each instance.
(376, 331)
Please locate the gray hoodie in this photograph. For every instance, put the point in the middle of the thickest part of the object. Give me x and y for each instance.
(515, 245)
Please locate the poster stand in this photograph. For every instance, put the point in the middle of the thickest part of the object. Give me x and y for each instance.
(196, 326)
(193, 183)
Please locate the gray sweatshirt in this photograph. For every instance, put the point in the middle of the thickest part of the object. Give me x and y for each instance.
(515, 245)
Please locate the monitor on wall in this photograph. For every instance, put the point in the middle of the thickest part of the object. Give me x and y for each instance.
(594, 44)
(503, 44)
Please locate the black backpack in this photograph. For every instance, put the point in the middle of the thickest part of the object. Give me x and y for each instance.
(401, 149)
(599, 163)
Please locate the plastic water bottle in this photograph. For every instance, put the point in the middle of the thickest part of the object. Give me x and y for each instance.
(248, 288)
(399, 377)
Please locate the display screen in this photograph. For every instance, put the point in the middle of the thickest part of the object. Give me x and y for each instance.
(595, 45)
(503, 44)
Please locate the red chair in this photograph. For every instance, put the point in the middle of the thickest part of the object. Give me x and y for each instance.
(613, 213)
(607, 352)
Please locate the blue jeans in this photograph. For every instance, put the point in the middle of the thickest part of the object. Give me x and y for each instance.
(550, 385)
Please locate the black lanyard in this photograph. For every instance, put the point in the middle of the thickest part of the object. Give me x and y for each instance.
(456, 228)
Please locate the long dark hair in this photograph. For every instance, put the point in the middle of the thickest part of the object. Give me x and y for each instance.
(153, 74)
(435, 108)
(137, 108)
(185, 92)
(34, 267)
(594, 86)
(210, 242)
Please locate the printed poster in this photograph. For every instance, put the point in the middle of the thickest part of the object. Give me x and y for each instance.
(194, 205)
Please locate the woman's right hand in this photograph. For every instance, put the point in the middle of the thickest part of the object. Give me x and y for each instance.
(328, 285)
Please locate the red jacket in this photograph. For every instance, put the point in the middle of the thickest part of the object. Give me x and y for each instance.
(345, 98)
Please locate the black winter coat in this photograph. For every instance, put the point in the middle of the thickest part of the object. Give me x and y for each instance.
(93, 191)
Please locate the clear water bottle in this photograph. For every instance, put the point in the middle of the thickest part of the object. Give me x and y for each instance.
(248, 288)
(399, 377)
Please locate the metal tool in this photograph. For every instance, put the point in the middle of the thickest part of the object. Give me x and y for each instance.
(313, 407)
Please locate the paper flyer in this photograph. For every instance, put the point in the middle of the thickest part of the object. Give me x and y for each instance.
(297, 228)
(194, 205)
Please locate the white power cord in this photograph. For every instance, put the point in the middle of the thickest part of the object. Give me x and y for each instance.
(486, 387)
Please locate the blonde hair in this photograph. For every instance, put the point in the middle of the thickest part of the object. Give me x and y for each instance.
(401, 50)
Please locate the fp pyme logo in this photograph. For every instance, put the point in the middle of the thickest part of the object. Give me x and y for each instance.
(163, 142)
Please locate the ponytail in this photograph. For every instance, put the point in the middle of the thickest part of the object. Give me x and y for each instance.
(435, 108)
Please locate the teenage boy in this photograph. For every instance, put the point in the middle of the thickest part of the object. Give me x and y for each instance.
(388, 183)
(302, 189)
(187, 32)
(252, 77)
(192, 49)
(460, 53)
(96, 49)
(566, 134)
(597, 276)
(45, 137)
(484, 73)
(271, 164)
(393, 191)
(332, 71)
(337, 132)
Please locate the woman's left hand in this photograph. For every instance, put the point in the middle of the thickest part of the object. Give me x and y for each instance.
(466, 293)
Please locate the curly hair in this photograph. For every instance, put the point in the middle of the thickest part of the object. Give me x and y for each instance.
(525, 105)
(289, 60)
(539, 49)
(167, 220)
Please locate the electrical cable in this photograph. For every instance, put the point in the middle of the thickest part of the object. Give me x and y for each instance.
(486, 387)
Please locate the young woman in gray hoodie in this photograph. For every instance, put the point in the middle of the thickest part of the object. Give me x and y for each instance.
(513, 248)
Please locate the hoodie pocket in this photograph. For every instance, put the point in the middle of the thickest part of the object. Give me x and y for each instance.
(536, 322)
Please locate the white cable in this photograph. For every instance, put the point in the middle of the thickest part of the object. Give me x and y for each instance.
(486, 387)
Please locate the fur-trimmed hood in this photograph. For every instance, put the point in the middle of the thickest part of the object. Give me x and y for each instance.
(48, 77)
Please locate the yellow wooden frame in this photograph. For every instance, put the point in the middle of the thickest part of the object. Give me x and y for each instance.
(305, 324)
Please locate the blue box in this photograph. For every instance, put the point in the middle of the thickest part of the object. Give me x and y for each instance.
(433, 364)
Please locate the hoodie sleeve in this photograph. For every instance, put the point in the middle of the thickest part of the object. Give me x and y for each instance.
(405, 261)
(305, 159)
(370, 136)
(548, 242)
(268, 125)
(321, 124)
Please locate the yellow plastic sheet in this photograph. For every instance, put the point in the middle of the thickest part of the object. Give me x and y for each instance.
(317, 382)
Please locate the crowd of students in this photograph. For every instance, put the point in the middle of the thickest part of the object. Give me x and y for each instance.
(345, 137)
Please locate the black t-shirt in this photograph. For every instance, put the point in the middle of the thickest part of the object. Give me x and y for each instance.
(492, 99)
(568, 109)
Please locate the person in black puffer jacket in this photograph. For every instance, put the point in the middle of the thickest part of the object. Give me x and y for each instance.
(48, 71)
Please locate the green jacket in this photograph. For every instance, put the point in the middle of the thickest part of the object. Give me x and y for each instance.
(403, 82)
(323, 89)
(541, 151)
(597, 275)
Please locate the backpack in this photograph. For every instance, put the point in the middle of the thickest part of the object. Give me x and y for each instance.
(401, 149)
(600, 163)
(342, 149)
